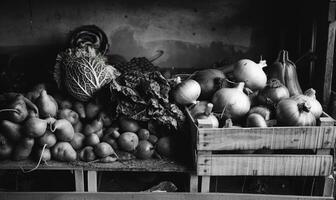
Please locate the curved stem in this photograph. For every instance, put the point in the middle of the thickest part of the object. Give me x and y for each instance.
(39, 162)
(10, 110)
(31, 105)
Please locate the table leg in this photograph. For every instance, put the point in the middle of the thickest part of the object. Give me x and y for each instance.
(79, 180)
(92, 181)
(193, 183)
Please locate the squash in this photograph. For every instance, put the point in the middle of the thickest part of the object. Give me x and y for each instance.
(285, 70)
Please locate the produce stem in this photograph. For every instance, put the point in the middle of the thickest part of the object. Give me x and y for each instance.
(10, 110)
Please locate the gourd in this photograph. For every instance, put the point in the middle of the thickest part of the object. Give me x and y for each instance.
(285, 70)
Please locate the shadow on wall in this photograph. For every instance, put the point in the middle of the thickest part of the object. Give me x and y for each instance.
(177, 54)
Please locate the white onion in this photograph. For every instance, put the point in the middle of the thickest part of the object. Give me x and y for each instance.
(233, 102)
(187, 92)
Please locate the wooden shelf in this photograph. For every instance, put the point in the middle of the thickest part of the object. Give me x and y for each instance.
(148, 195)
(134, 165)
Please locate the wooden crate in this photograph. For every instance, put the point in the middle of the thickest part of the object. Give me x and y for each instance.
(210, 144)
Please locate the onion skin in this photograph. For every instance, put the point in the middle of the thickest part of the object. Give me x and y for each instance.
(210, 81)
(261, 110)
(255, 120)
(187, 92)
(251, 73)
(309, 96)
(231, 101)
(273, 92)
(290, 112)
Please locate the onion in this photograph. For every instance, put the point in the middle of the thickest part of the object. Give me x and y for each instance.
(251, 73)
(261, 110)
(255, 120)
(273, 92)
(187, 92)
(309, 96)
(233, 102)
(293, 113)
(210, 81)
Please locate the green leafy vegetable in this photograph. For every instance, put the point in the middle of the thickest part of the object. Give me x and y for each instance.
(145, 96)
(82, 71)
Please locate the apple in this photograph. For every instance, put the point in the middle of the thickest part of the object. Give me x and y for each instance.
(128, 141)
(164, 146)
(143, 134)
(144, 150)
(128, 125)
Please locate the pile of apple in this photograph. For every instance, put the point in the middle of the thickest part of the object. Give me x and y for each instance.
(47, 127)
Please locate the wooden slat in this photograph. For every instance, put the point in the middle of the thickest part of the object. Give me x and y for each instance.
(329, 183)
(149, 196)
(329, 64)
(79, 180)
(92, 181)
(271, 137)
(152, 165)
(264, 165)
(29, 164)
(193, 185)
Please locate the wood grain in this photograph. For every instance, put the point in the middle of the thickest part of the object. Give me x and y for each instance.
(155, 165)
(271, 138)
(329, 64)
(264, 165)
(149, 196)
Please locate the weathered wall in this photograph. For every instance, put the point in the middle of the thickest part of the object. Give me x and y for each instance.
(191, 33)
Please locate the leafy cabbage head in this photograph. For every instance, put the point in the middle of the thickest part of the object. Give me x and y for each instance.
(83, 71)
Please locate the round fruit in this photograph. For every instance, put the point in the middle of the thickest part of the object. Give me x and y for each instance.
(128, 125)
(143, 134)
(103, 150)
(144, 150)
(92, 140)
(128, 141)
(153, 139)
(164, 146)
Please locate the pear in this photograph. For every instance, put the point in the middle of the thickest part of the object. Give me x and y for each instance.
(35, 127)
(46, 105)
(63, 130)
(11, 130)
(80, 109)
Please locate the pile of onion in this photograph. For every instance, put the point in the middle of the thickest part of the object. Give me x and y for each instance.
(233, 102)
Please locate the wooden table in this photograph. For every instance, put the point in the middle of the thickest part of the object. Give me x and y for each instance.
(133, 165)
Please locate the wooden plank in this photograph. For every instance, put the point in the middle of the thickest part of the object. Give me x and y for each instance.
(272, 137)
(205, 187)
(92, 181)
(264, 165)
(327, 120)
(153, 165)
(329, 183)
(193, 183)
(149, 165)
(332, 9)
(79, 180)
(149, 196)
(29, 164)
(329, 64)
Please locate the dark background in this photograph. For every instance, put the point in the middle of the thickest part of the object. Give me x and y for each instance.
(192, 34)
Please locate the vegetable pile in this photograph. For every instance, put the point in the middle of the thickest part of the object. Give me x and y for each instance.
(252, 98)
(42, 126)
